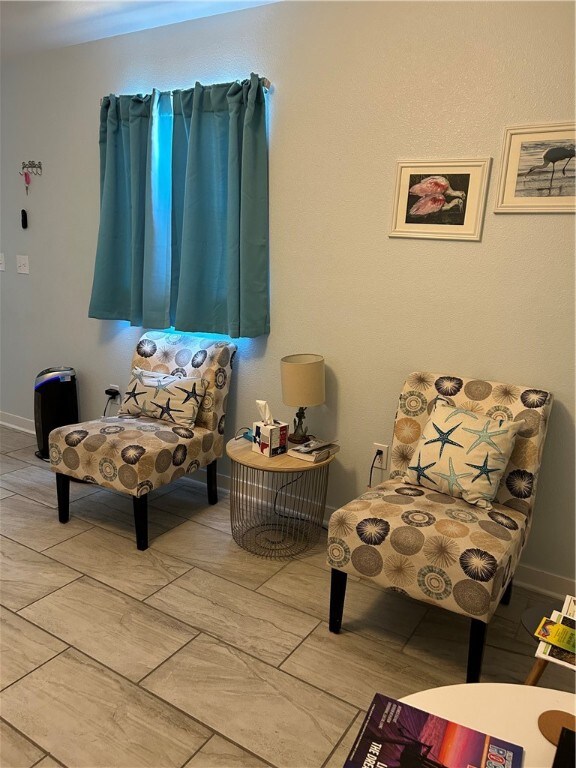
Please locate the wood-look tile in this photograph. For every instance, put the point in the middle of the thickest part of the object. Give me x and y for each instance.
(252, 622)
(13, 439)
(558, 677)
(26, 575)
(369, 612)
(280, 719)
(190, 501)
(28, 456)
(10, 464)
(4, 493)
(48, 762)
(220, 753)
(316, 554)
(115, 561)
(522, 599)
(504, 634)
(506, 666)
(441, 640)
(15, 750)
(36, 525)
(86, 716)
(115, 512)
(23, 647)
(109, 626)
(218, 553)
(340, 754)
(40, 485)
(354, 668)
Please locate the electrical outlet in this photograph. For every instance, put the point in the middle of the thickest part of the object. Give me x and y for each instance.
(381, 461)
(112, 390)
(22, 265)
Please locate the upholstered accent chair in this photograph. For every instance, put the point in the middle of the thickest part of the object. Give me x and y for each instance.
(170, 423)
(450, 524)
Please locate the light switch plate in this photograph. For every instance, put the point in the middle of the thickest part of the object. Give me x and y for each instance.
(2, 263)
(22, 265)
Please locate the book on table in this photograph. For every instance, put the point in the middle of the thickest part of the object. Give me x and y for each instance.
(556, 633)
(315, 450)
(566, 618)
(398, 735)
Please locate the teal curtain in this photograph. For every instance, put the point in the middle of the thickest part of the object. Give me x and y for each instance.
(183, 238)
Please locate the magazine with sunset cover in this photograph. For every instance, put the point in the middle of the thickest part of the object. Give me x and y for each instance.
(398, 735)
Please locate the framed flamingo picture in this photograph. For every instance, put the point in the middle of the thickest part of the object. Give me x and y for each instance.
(538, 169)
(440, 199)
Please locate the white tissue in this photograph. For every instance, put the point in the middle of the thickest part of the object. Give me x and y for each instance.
(264, 410)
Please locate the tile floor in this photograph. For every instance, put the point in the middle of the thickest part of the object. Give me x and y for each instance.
(196, 654)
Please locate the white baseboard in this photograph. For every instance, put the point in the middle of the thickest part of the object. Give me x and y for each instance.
(17, 422)
(543, 582)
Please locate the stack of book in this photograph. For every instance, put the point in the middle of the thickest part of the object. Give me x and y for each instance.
(556, 635)
(315, 450)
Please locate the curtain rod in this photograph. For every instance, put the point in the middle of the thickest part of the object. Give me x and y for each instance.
(265, 82)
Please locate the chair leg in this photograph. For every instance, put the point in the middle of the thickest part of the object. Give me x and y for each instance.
(337, 595)
(475, 650)
(507, 596)
(212, 482)
(63, 493)
(140, 506)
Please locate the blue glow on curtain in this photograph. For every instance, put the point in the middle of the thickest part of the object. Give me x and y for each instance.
(183, 238)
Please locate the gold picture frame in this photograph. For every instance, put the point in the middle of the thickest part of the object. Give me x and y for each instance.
(538, 169)
(440, 199)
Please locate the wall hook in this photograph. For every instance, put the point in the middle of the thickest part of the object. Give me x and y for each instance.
(32, 166)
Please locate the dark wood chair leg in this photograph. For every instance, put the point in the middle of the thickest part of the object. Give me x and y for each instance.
(507, 596)
(337, 595)
(475, 650)
(63, 493)
(212, 482)
(140, 506)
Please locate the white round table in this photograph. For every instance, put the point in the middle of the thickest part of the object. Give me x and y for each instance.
(507, 711)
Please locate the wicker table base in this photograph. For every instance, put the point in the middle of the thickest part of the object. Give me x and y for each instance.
(276, 504)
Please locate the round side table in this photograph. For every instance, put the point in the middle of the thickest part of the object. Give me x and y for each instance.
(277, 503)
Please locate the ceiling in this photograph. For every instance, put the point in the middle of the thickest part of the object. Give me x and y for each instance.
(29, 26)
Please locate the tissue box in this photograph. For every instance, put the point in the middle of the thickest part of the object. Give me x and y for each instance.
(270, 439)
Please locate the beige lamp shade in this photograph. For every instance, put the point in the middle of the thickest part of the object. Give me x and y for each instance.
(302, 380)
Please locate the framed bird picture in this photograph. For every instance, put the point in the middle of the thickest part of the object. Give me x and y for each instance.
(440, 199)
(538, 170)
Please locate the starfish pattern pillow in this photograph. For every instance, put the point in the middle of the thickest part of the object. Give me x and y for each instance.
(463, 454)
(162, 396)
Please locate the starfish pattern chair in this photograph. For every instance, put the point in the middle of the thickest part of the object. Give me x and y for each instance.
(449, 526)
(170, 423)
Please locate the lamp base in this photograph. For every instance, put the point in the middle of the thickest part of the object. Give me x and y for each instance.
(299, 435)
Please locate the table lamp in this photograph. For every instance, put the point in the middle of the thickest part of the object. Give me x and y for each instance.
(302, 386)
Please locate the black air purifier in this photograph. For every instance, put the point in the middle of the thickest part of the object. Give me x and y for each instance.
(55, 404)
